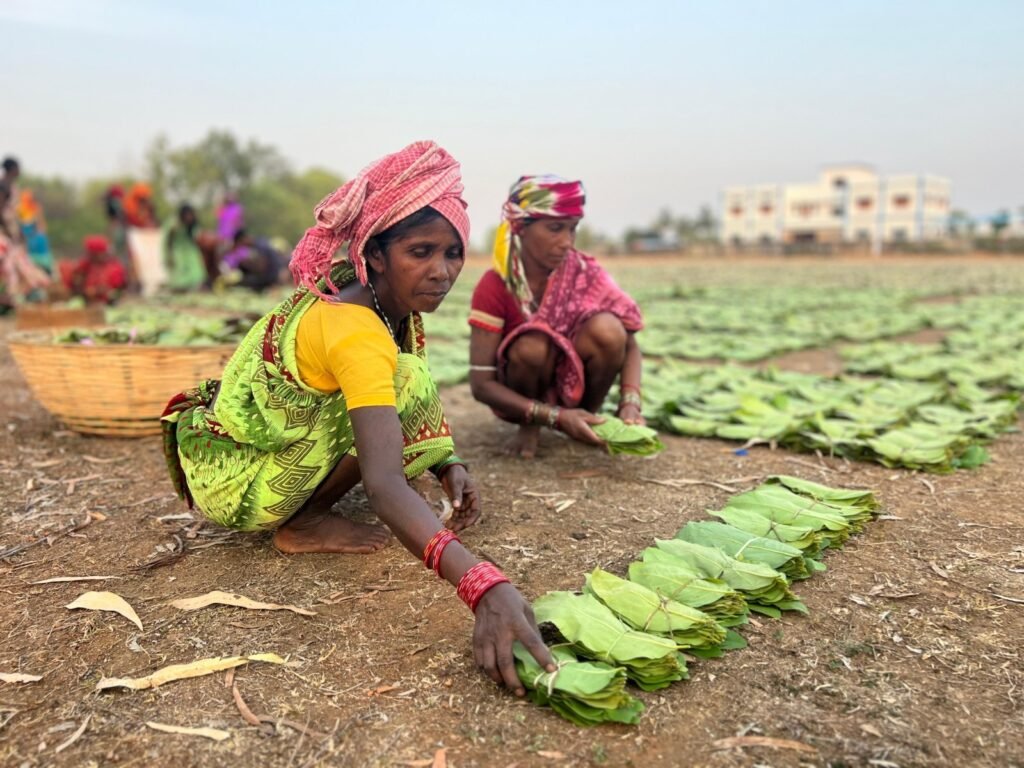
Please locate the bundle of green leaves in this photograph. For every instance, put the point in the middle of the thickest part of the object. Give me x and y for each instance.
(786, 559)
(765, 589)
(595, 632)
(583, 692)
(783, 510)
(857, 506)
(645, 610)
(622, 438)
(673, 579)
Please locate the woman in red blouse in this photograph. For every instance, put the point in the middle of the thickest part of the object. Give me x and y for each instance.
(551, 329)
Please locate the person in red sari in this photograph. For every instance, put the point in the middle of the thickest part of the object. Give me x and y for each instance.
(98, 276)
(551, 331)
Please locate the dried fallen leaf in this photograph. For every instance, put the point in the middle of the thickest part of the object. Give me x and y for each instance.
(64, 579)
(98, 460)
(243, 708)
(18, 677)
(45, 464)
(106, 601)
(381, 689)
(209, 733)
(440, 759)
(184, 671)
(738, 742)
(551, 755)
(74, 736)
(870, 730)
(240, 601)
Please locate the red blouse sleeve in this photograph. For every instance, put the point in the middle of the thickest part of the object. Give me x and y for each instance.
(492, 307)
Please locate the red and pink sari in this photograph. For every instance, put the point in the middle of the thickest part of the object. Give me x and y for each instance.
(579, 289)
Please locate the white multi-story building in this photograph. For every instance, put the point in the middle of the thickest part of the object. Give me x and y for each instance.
(848, 204)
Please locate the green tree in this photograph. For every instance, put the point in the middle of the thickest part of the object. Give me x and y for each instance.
(199, 174)
(279, 202)
(960, 223)
(284, 207)
(706, 225)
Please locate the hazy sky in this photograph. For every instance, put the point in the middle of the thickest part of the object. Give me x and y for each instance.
(652, 104)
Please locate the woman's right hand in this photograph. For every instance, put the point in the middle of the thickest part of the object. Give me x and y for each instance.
(575, 422)
(502, 617)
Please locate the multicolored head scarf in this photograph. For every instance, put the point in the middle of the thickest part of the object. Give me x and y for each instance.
(383, 194)
(532, 197)
(28, 206)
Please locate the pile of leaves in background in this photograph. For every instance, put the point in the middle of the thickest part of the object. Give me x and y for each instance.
(682, 600)
(928, 425)
(161, 328)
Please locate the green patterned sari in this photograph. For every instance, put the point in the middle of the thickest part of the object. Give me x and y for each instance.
(249, 450)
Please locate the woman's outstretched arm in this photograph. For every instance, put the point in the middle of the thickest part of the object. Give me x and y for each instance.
(502, 615)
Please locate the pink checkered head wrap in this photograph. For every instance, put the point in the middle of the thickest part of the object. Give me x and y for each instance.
(384, 193)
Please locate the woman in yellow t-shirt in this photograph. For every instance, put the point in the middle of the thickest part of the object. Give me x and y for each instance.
(332, 387)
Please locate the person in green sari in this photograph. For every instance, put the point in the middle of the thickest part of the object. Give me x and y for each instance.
(332, 388)
(182, 258)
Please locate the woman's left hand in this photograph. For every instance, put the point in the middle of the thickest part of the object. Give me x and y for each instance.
(630, 413)
(462, 493)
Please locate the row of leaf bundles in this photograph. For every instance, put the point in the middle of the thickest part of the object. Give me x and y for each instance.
(785, 524)
(684, 593)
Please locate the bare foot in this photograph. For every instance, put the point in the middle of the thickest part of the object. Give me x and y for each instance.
(327, 533)
(524, 444)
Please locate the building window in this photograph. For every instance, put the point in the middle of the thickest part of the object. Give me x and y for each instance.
(804, 209)
(839, 182)
(864, 203)
(839, 211)
(766, 208)
(863, 236)
(901, 201)
(737, 210)
(899, 235)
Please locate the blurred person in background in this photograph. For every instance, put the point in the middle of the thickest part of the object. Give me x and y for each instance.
(139, 210)
(230, 219)
(551, 331)
(19, 277)
(11, 174)
(117, 232)
(254, 261)
(182, 257)
(98, 276)
(8, 208)
(33, 229)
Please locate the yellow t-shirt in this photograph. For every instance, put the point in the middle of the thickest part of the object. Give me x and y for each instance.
(346, 347)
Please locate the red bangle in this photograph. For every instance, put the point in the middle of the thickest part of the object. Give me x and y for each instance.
(439, 539)
(439, 551)
(475, 583)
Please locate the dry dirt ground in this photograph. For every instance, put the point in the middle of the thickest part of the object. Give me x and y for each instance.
(911, 654)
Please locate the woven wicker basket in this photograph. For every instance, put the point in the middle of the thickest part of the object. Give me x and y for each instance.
(115, 390)
(32, 316)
